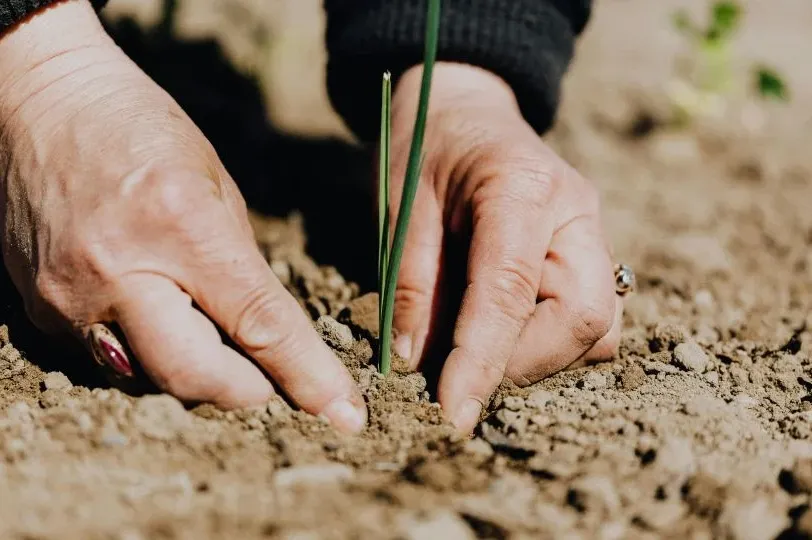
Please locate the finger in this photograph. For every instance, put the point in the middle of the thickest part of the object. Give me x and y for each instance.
(235, 286)
(578, 305)
(416, 293)
(606, 347)
(511, 234)
(181, 350)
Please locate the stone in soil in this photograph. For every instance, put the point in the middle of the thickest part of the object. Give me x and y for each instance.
(691, 357)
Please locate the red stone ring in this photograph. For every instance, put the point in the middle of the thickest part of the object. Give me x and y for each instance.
(108, 351)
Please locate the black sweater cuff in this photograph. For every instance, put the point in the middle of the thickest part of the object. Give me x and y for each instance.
(14, 11)
(529, 43)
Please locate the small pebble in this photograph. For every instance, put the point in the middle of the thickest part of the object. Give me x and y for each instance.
(479, 448)
(712, 377)
(84, 422)
(593, 380)
(56, 380)
(539, 399)
(703, 300)
(659, 516)
(799, 478)
(282, 271)
(313, 475)
(676, 455)
(513, 403)
(746, 401)
(754, 520)
(691, 357)
(438, 524)
(160, 417)
(594, 493)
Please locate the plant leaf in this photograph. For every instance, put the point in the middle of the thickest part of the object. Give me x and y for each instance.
(383, 187)
(410, 183)
(725, 18)
(770, 85)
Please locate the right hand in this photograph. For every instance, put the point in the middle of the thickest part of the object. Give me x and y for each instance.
(117, 209)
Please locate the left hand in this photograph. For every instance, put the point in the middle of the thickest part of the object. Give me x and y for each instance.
(539, 293)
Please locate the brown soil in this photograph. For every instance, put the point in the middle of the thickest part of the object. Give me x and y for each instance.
(702, 427)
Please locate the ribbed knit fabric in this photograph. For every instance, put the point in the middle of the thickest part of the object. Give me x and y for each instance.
(13, 11)
(529, 43)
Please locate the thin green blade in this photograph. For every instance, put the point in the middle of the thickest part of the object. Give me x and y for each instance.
(383, 187)
(410, 184)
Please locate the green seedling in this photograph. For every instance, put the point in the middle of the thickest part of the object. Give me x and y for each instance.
(770, 85)
(390, 255)
(711, 81)
(713, 43)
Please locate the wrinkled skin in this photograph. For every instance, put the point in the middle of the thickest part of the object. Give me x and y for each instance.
(538, 294)
(116, 209)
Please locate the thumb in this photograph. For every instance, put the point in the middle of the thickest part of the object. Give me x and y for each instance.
(418, 277)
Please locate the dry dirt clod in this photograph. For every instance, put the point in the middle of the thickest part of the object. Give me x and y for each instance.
(4, 339)
(798, 479)
(659, 516)
(11, 362)
(593, 380)
(539, 399)
(334, 333)
(667, 336)
(478, 448)
(281, 270)
(632, 377)
(438, 524)
(513, 403)
(754, 520)
(691, 357)
(313, 475)
(594, 493)
(362, 314)
(57, 381)
(160, 417)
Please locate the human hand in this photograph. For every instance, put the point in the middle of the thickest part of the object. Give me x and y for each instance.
(116, 209)
(539, 292)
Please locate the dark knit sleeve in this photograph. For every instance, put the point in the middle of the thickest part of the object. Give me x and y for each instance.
(14, 11)
(528, 43)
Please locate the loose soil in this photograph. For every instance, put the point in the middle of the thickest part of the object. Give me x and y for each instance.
(702, 427)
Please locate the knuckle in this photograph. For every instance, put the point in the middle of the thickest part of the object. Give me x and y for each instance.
(410, 297)
(166, 195)
(513, 292)
(191, 381)
(488, 368)
(590, 321)
(256, 327)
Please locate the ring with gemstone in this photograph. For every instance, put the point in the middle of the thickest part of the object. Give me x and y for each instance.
(625, 281)
(108, 351)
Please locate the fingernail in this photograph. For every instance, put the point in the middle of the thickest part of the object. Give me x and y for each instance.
(111, 351)
(345, 415)
(403, 346)
(467, 415)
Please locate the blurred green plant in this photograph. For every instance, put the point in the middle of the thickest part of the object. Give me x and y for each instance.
(389, 256)
(712, 79)
(770, 85)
